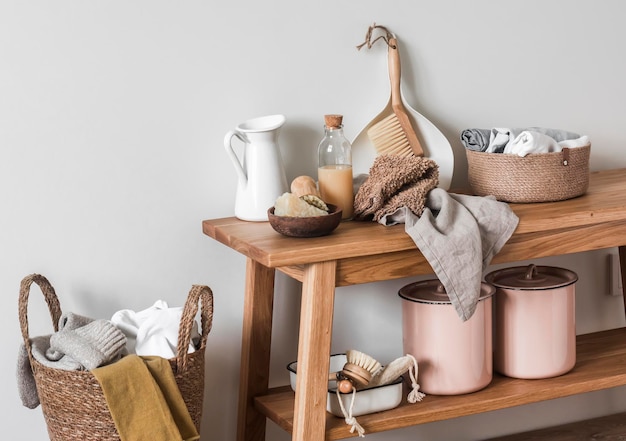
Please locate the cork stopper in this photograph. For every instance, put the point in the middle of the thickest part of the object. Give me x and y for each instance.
(333, 121)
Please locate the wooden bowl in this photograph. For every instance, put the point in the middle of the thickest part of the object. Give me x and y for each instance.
(314, 226)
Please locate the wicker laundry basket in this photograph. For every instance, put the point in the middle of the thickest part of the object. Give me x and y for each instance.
(537, 177)
(73, 403)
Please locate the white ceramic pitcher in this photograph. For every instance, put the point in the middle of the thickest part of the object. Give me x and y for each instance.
(260, 173)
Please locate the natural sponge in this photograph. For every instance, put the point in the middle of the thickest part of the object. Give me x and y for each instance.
(288, 204)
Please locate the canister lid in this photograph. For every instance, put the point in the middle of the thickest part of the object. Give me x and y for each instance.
(432, 291)
(531, 277)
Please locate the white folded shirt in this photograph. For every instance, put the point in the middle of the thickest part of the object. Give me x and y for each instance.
(153, 331)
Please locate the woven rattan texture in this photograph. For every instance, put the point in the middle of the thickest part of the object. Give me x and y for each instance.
(541, 177)
(73, 403)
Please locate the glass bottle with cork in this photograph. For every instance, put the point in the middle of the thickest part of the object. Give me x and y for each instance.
(334, 172)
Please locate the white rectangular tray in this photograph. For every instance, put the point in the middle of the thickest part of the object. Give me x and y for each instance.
(375, 399)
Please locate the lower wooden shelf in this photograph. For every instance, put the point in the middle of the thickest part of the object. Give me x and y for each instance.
(606, 428)
(600, 364)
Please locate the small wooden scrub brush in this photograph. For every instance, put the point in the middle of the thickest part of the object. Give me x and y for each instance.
(394, 134)
(357, 372)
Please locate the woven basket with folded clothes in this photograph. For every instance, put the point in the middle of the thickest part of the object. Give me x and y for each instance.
(523, 165)
(90, 387)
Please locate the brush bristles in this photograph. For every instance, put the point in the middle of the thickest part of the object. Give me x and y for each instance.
(389, 137)
(363, 360)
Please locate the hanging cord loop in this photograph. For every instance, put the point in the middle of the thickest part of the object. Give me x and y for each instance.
(349, 419)
(368, 37)
(415, 395)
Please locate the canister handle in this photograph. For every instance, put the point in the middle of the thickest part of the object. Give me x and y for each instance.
(531, 272)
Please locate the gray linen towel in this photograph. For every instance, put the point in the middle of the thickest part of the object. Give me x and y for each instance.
(476, 139)
(459, 235)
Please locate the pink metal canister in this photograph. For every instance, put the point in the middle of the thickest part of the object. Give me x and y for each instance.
(454, 356)
(535, 332)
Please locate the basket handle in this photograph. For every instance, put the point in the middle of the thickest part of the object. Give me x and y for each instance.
(198, 295)
(51, 299)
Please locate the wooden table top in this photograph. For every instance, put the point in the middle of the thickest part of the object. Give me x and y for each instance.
(604, 202)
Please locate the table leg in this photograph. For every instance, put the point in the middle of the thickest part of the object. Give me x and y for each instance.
(622, 266)
(316, 322)
(255, 349)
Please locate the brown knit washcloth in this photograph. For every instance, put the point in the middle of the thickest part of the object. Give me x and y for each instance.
(395, 182)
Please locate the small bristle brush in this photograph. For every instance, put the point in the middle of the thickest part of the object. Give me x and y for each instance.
(394, 134)
(358, 371)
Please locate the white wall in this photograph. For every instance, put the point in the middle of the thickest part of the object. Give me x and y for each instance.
(112, 116)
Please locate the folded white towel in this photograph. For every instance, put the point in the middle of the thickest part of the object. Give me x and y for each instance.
(583, 141)
(499, 138)
(530, 141)
(153, 331)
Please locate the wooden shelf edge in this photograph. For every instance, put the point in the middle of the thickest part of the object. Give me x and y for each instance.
(600, 360)
(610, 427)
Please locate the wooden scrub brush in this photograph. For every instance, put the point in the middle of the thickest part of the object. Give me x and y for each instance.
(357, 372)
(394, 134)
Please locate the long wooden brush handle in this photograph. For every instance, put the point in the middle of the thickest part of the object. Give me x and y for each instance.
(393, 58)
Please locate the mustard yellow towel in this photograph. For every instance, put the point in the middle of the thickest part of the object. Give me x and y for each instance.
(139, 393)
(162, 373)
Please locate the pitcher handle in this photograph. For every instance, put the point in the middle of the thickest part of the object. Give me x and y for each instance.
(241, 174)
